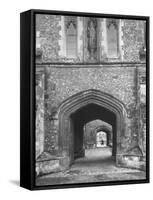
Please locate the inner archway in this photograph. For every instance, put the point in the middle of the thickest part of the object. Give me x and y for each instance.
(85, 115)
(97, 141)
(82, 108)
(91, 130)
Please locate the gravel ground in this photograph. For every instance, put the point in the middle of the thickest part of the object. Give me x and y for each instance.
(96, 166)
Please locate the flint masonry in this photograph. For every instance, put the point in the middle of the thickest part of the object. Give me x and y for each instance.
(89, 69)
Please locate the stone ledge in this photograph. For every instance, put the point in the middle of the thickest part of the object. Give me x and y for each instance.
(45, 156)
(131, 161)
(46, 164)
(40, 65)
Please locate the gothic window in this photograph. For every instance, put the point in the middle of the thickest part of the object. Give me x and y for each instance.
(112, 38)
(71, 36)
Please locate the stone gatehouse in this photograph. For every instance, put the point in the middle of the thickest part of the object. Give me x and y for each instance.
(89, 69)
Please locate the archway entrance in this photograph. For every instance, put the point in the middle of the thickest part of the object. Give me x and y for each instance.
(82, 108)
(84, 115)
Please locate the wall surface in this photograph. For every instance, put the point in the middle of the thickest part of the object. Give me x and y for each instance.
(118, 81)
(133, 39)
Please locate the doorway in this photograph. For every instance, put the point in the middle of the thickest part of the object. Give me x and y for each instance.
(91, 142)
(81, 109)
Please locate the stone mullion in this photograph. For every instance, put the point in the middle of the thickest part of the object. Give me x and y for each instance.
(138, 106)
(136, 117)
(141, 109)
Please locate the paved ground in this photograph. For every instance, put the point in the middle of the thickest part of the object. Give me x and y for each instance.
(96, 166)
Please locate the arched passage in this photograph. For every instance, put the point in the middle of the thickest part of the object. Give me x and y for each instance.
(84, 115)
(90, 133)
(101, 139)
(82, 108)
(108, 129)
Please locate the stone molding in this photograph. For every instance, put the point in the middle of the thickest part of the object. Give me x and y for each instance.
(75, 102)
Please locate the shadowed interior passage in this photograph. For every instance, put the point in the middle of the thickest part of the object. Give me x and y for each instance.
(79, 119)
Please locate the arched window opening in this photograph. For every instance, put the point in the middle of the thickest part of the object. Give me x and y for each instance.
(112, 38)
(71, 37)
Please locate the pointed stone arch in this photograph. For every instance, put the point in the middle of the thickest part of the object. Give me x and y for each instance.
(77, 102)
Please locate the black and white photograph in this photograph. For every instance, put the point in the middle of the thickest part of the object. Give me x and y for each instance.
(90, 99)
(76, 112)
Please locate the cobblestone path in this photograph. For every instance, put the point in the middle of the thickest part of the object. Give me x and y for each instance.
(96, 166)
